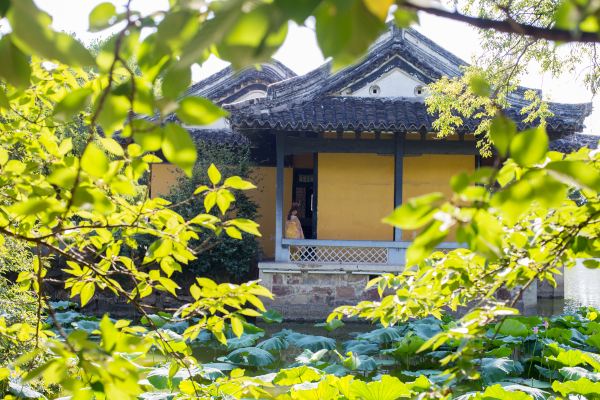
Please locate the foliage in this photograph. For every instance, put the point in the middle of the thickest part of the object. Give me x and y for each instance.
(16, 306)
(223, 258)
(517, 220)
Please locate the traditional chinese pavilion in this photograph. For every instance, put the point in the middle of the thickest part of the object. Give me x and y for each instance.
(348, 146)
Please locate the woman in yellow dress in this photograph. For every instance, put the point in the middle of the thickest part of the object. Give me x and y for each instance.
(293, 228)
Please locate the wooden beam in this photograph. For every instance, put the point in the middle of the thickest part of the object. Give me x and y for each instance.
(279, 187)
(297, 145)
(398, 177)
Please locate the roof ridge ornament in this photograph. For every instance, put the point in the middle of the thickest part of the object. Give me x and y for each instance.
(397, 33)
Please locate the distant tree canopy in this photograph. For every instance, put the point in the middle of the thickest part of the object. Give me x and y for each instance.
(516, 219)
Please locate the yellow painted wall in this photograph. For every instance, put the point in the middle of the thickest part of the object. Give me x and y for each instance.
(163, 178)
(355, 191)
(431, 173)
(264, 178)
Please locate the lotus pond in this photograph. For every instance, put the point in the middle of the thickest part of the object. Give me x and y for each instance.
(529, 357)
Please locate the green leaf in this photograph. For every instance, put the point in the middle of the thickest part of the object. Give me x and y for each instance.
(33, 206)
(213, 174)
(345, 30)
(479, 84)
(502, 132)
(73, 103)
(274, 343)
(149, 139)
(175, 81)
(251, 356)
(87, 292)
(388, 388)
(113, 113)
(415, 213)
(4, 102)
(379, 8)
(497, 369)
(94, 161)
(572, 373)
(246, 225)
(233, 232)
(253, 36)
(4, 6)
(576, 173)
(15, 65)
(512, 327)
(3, 156)
(297, 10)
(529, 147)
(102, 16)
(199, 111)
(32, 33)
(235, 182)
(582, 386)
(112, 146)
(497, 392)
(271, 317)
(179, 148)
(237, 326)
(405, 18)
(293, 376)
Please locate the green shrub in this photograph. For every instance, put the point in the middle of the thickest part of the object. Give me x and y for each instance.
(223, 258)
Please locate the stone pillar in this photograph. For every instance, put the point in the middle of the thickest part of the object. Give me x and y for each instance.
(546, 291)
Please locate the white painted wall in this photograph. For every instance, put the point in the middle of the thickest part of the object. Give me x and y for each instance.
(221, 123)
(395, 83)
(254, 94)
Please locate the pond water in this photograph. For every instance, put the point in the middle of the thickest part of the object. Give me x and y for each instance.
(582, 288)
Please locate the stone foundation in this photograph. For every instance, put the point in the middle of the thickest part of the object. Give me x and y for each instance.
(310, 293)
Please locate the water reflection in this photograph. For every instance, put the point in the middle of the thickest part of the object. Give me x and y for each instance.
(582, 288)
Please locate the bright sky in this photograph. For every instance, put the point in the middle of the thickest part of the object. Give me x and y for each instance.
(301, 53)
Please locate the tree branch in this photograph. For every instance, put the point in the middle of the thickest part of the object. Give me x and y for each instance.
(508, 26)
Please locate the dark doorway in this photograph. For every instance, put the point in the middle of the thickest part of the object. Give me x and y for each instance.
(303, 193)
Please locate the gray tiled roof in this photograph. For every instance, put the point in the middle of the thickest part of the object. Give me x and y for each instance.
(384, 114)
(313, 101)
(227, 85)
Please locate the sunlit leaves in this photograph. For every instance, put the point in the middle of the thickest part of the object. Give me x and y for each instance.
(179, 148)
(32, 32)
(94, 161)
(214, 175)
(112, 114)
(576, 173)
(15, 66)
(199, 111)
(502, 131)
(529, 147)
(479, 84)
(101, 16)
(253, 37)
(175, 81)
(72, 103)
(345, 29)
(582, 386)
(416, 212)
(379, 8)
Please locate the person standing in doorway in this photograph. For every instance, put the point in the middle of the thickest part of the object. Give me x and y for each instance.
(293, 228)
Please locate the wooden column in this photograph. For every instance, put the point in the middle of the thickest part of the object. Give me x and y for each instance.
(398, 170)
(279, 187)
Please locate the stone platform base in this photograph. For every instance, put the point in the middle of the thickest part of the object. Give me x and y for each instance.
(312, 292)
